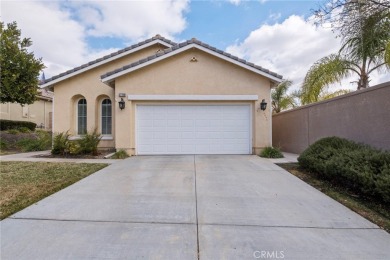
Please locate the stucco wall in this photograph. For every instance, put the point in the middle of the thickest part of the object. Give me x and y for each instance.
(178, 76)
(89, 86)
(362, 116)
(38, 112)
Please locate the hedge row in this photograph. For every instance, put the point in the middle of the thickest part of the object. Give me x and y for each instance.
(8, 124)
(355, 166)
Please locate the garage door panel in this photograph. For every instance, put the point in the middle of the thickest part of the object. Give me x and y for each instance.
(145, 123)
(193, 129)
(172, 148)
(188, 149)
(187, 122)
(235, 135)
(174, 135)
(187, 134)
(173, 122)
(207, 135)
(159, 123)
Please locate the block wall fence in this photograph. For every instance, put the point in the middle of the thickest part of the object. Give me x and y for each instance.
(362, 116)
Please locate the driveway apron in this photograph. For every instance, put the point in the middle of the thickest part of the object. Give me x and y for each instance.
(191, 207)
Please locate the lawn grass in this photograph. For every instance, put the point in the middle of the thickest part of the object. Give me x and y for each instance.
(25, 183)
(375, 212)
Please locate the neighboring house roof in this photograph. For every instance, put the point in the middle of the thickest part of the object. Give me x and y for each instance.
(193, 43)
(113, 56)
(44, 94)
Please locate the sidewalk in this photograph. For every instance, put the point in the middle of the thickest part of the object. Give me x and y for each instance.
(29, 157)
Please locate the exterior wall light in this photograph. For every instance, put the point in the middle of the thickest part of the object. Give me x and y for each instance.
(263, 105)
(122, 104)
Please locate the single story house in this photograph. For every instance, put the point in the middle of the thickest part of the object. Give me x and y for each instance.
(161, 97)
(39, 112)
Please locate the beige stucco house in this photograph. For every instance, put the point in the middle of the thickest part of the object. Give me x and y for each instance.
(39, 112)
(186, 98)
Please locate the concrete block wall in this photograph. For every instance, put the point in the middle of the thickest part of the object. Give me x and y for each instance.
(362, 116)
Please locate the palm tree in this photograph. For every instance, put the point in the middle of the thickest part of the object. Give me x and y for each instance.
(365, 48)
(280, 99)
(387, 54)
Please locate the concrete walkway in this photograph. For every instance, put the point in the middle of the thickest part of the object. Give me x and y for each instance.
(29, 157)
(191, 207)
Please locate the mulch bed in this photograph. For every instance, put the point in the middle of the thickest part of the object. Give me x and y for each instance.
(79, 156)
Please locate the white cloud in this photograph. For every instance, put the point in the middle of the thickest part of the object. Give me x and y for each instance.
(275, 16)
(235, 2)
(60, 29)
(56, 37)
(291, 47)
(288, 48)
(132, 19)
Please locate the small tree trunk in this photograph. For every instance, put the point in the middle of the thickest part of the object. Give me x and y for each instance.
(363, 81)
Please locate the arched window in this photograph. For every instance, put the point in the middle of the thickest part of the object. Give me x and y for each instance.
(82, 116)
(106, 117)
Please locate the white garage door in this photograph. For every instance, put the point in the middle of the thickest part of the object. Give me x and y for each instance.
(193, 129)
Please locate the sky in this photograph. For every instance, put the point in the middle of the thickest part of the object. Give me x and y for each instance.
(275, 34)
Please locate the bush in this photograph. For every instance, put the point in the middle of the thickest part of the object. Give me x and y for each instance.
(13, 131)
(74, 147)
(89, 143)
(41, 143)
(3, 145)
(121, 154)
(61, 143)
(24, 129)
(355, 166)
(9, 124)
(271, 152)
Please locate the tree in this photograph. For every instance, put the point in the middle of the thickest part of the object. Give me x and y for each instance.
(280, 99)
(387, 54)
(344, 14)
(19, 68)
(363, 26)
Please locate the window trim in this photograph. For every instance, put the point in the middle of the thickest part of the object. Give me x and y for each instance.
(105, 136)
(77, 116)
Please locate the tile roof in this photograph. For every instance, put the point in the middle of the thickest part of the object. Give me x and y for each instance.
(186, 43)
(157, 37)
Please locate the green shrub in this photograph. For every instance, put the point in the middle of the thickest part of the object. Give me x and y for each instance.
(61, 143)
(121, 154)
(271, 152)
(13, 131)
(29, 145)
(24, 129)
(74, 147)
(89, 142)
(3, 145)
(355, 166)
(86, 145)
(40, 143)
(9, 124)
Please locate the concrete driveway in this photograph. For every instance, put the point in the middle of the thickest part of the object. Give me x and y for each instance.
(190, 207)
